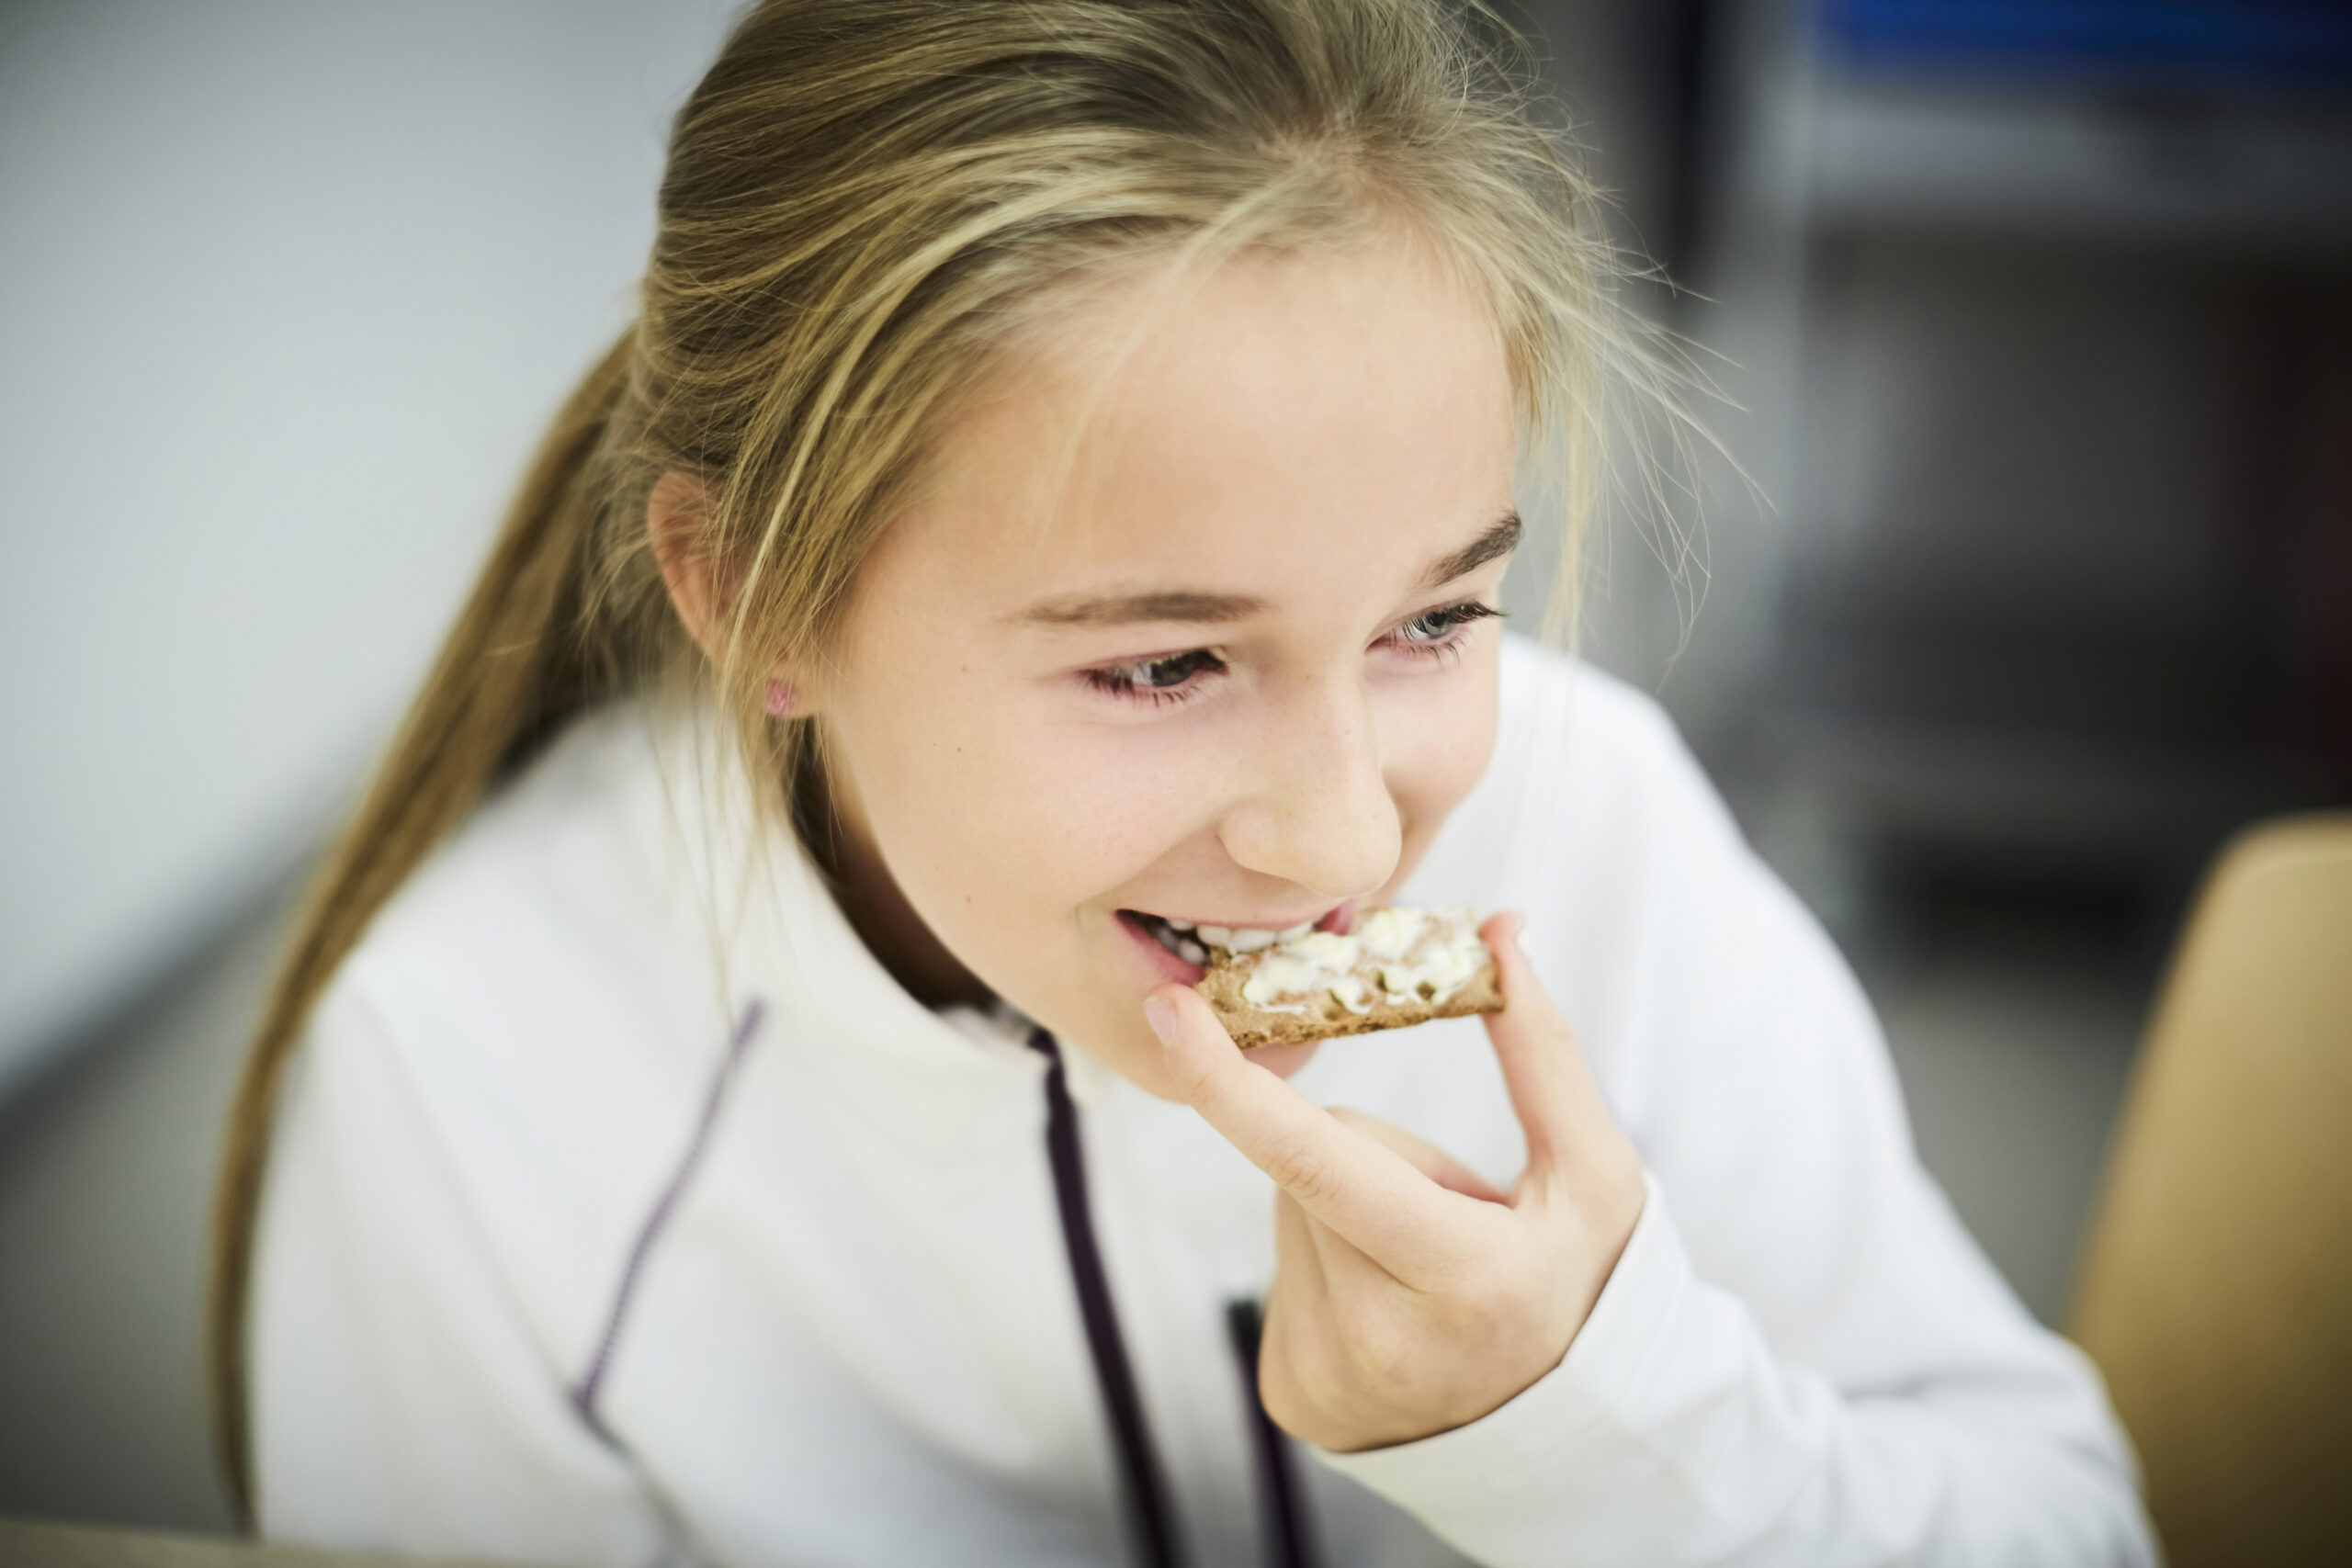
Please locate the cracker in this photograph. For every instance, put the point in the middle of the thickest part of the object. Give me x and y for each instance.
(1295, 1017)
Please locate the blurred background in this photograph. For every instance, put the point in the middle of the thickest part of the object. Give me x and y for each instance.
(2024, 576)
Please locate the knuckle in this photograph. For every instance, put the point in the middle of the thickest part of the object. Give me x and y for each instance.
(1494, 1303)
(1192, 1085)
(1301, 1167)
(1207, 1090)
(1549, 1033)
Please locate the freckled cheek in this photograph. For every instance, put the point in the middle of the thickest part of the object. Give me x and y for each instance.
(1060, 827)
(1105, 832)
(1439, 753)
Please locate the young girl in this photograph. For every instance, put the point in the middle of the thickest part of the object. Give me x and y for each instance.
(729, 1104)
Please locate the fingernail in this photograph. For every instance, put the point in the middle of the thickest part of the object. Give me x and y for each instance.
(1161, 1014)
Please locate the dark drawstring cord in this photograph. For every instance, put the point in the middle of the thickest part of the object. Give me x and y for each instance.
(1142, 1488)
(1283, 1513)
(586, 1393)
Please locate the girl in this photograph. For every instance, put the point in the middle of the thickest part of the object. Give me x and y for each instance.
(726, 1103)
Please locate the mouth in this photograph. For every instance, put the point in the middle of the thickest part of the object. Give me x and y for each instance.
(1187, 942)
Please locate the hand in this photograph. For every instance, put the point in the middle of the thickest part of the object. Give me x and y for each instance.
(1409, 1296)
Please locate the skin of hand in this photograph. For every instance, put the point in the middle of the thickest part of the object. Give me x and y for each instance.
(1409, 1296)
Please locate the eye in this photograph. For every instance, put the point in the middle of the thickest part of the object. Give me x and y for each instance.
(1172, 678)
(1435, 632)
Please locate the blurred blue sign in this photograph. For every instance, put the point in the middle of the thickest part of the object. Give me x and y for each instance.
(2293, 45)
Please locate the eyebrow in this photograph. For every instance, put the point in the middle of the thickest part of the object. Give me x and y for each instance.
(1125, 609)
(1497, 542)
(1218, 609)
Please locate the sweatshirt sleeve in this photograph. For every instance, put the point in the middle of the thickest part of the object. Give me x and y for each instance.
(402, 1401)
(1802, 1358)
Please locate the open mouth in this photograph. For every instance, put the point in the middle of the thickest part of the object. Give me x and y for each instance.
(1179, 937)
(1191, 943)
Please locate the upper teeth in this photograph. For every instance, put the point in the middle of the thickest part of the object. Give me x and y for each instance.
(1191, 943)
(1244, 939)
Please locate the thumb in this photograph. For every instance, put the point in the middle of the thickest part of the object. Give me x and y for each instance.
(1551, 1088)
(1575, 1148)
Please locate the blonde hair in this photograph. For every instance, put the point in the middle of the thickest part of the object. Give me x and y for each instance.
(861, 196)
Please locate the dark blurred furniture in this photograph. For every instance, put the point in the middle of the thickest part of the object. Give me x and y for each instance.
(2044, 314)
(2216, 1293)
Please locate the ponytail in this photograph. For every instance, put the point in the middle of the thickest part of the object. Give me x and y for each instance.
(514, 667)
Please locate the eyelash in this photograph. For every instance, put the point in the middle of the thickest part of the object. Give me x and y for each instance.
(1444, 624)
(1444, 641)
(1119, 679)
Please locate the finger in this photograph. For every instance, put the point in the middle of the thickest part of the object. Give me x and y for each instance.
(1297, 1323)
(1361, 1188)
(1550, 1086)
(1342, 1269)
(1300, 1266)
(1316, 1265)
(1424, 1156)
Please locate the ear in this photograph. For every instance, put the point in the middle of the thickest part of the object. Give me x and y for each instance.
(675, 515)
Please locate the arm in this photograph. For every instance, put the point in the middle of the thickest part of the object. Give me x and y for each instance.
(1798, 1356)
(1673, 1433)
(400, 1399)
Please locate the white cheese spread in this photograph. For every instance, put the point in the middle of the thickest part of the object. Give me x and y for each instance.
(1410, 954)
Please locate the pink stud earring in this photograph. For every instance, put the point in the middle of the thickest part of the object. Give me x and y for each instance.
(779, 700)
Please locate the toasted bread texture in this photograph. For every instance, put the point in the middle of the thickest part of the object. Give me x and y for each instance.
(1400, 967)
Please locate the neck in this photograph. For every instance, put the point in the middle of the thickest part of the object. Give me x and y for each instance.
(836, 834)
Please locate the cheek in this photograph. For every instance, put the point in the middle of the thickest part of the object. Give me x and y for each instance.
(1089, 809)
(1007, 815)
(1444, 733)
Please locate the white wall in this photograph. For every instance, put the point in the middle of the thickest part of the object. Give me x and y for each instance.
(286, 292)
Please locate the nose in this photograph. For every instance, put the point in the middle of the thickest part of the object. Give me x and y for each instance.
(1318, 812)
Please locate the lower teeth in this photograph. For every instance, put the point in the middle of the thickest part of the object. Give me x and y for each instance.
(1183, 946)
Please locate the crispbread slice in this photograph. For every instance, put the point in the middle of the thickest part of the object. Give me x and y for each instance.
(1296, 1019)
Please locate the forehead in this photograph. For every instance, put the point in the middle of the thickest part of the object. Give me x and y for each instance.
(1337, 413)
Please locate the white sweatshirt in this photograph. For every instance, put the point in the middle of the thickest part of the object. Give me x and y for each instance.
(623, 1210)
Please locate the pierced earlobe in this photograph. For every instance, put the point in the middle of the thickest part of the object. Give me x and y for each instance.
(779, 700)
